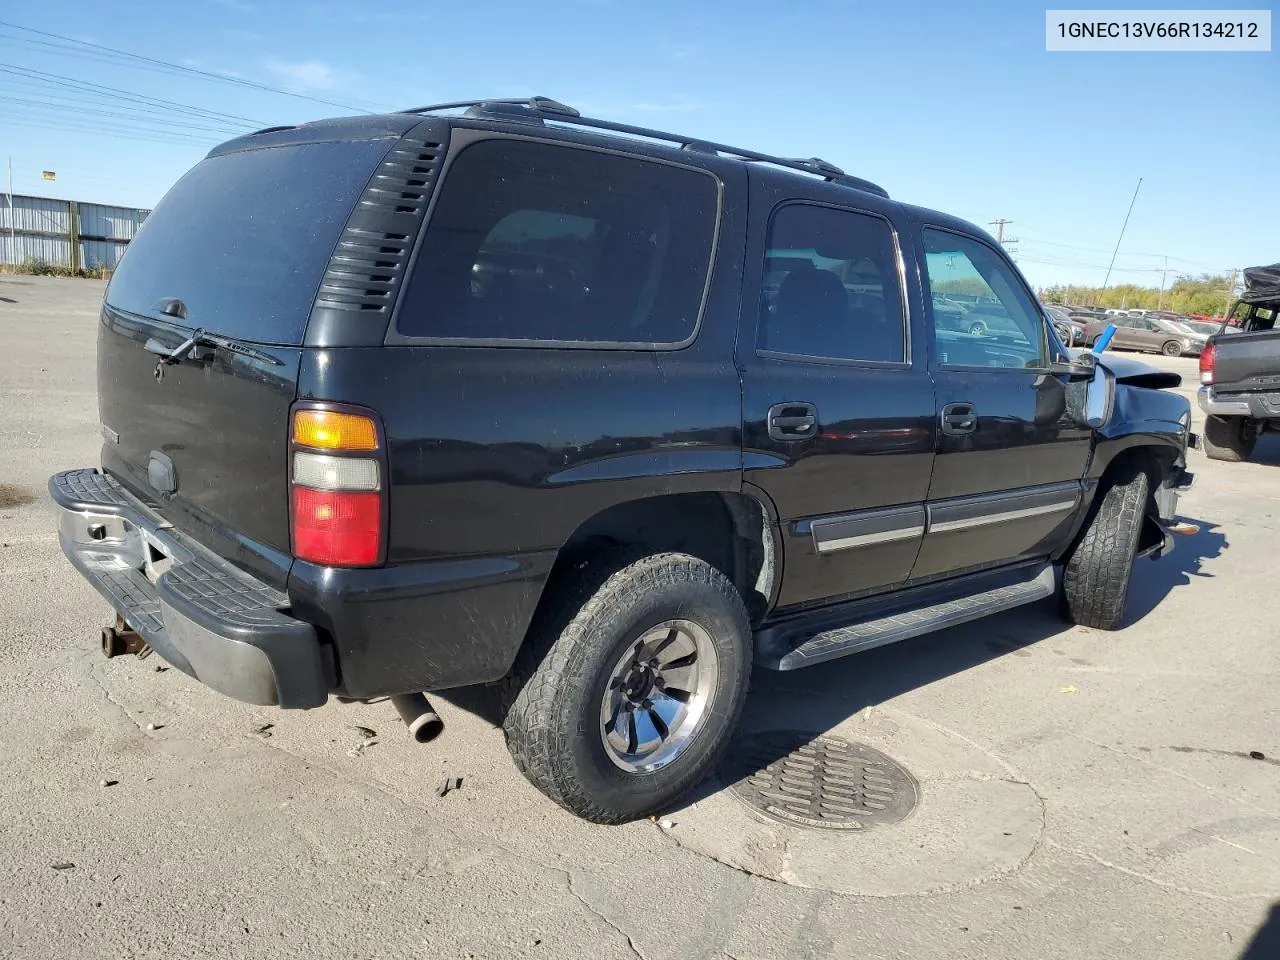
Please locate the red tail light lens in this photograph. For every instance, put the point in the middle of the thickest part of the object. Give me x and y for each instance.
(338, 471)
(1206, 364)
(335, 528)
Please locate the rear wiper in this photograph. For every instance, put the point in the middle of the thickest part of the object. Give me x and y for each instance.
(200, 338)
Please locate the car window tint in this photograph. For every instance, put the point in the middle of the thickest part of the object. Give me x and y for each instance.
(532, 241)
(243, 239)
(831, 287)
(997, 323)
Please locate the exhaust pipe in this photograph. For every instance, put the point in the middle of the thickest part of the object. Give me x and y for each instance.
(122, 639)
(415, 710)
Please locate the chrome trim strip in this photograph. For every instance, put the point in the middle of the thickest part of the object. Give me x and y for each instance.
(1002, 517)
(864, 528)
(866, 539)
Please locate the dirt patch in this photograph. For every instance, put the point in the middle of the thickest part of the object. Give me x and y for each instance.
(12, 495)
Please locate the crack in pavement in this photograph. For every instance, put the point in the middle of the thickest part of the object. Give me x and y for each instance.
(88, 671)
(598, 914)
(383, 789)
(1155, 881)
(1212, 791)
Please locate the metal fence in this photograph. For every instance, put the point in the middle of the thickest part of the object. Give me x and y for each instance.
(65, 233)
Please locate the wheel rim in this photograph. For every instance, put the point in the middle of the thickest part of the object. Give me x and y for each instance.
(657, 695)
(1172, 350)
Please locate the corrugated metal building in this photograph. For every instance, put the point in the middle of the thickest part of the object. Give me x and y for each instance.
(54, 230)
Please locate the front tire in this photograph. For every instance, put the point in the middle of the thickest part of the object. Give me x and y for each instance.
(1171, 348)
(1230, 438)
(1095, 583)
(630, 688)
(977, 329)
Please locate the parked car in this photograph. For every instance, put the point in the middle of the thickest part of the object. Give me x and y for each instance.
(1150, 336)
(1240, 370)
(1070, 330)
(1203, 327)
(340, 460)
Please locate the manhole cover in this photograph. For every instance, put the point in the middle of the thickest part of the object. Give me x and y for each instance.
(814, 781)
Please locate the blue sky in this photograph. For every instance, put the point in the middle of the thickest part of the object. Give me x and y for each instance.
(950, 105)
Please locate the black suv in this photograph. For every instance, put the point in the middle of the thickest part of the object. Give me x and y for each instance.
(493, 393)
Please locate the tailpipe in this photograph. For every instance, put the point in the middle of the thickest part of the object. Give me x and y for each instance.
(122, 639)
(418, 715)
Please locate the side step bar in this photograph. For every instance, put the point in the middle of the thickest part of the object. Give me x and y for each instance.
(827, 634)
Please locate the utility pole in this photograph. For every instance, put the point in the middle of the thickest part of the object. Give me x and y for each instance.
(999, 223)
(1231, 289)
(13, 244)
(1160, 305)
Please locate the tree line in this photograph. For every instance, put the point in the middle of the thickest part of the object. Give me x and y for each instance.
(1206, 294)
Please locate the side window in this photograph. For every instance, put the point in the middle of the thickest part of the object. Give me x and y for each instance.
(990, 320)
(531, 241)
(831, 287)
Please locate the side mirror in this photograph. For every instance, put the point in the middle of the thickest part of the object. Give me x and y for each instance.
(1100, 398)
(1091, 398)
(1082, 367)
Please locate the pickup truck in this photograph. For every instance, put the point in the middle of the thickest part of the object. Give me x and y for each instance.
(1240, 370)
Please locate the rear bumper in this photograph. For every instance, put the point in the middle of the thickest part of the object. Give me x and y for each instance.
(1260, 406)
(202, 614)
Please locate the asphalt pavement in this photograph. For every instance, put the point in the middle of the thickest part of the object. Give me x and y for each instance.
(1081, 794)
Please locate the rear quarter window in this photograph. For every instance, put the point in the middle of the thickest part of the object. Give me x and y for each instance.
(539, 243)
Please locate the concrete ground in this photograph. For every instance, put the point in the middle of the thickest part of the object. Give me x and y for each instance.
(1083, 794)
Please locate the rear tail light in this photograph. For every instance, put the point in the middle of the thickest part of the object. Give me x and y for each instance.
(338, 496)
(1206, 364)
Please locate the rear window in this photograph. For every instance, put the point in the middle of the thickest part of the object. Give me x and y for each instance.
(243, 239)
(535, 242)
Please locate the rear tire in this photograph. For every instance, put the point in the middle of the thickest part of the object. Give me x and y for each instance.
(1229, 438)
(1095, 583)
(614, 617)
(1171, 348)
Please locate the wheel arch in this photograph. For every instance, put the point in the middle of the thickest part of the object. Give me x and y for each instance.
(735, 532)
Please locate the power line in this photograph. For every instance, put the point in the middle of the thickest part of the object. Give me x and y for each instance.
(127, 133)
(181, 68)
(141, 118)
(86, 86)
(1123, 226)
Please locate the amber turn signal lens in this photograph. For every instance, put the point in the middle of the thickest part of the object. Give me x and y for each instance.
(329, 430)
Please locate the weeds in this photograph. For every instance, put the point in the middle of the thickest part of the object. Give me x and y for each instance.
(35, 267)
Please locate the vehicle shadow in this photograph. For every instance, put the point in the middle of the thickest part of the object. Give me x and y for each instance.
(1267, 452)
(1153, 581)
(816, 700)
(1265, 944)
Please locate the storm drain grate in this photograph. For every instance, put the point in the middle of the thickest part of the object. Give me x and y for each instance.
(815, 781)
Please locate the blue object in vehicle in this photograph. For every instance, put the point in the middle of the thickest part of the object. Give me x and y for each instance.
(1104, 339)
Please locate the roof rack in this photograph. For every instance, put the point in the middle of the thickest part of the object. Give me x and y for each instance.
(540, 108)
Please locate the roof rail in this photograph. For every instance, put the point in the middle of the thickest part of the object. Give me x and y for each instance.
(540, 108)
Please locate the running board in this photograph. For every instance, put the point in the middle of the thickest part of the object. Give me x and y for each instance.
(826, 635)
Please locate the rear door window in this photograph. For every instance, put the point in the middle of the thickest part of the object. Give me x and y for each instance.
(538, 243)
(831, 287)
(243, 239)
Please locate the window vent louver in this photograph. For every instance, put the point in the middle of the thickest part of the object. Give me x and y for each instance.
(368, 266)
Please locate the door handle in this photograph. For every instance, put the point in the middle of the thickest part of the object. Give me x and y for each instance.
(792, 421)
(959, 419)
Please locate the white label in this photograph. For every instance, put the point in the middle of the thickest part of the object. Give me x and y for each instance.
(1119, 30)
